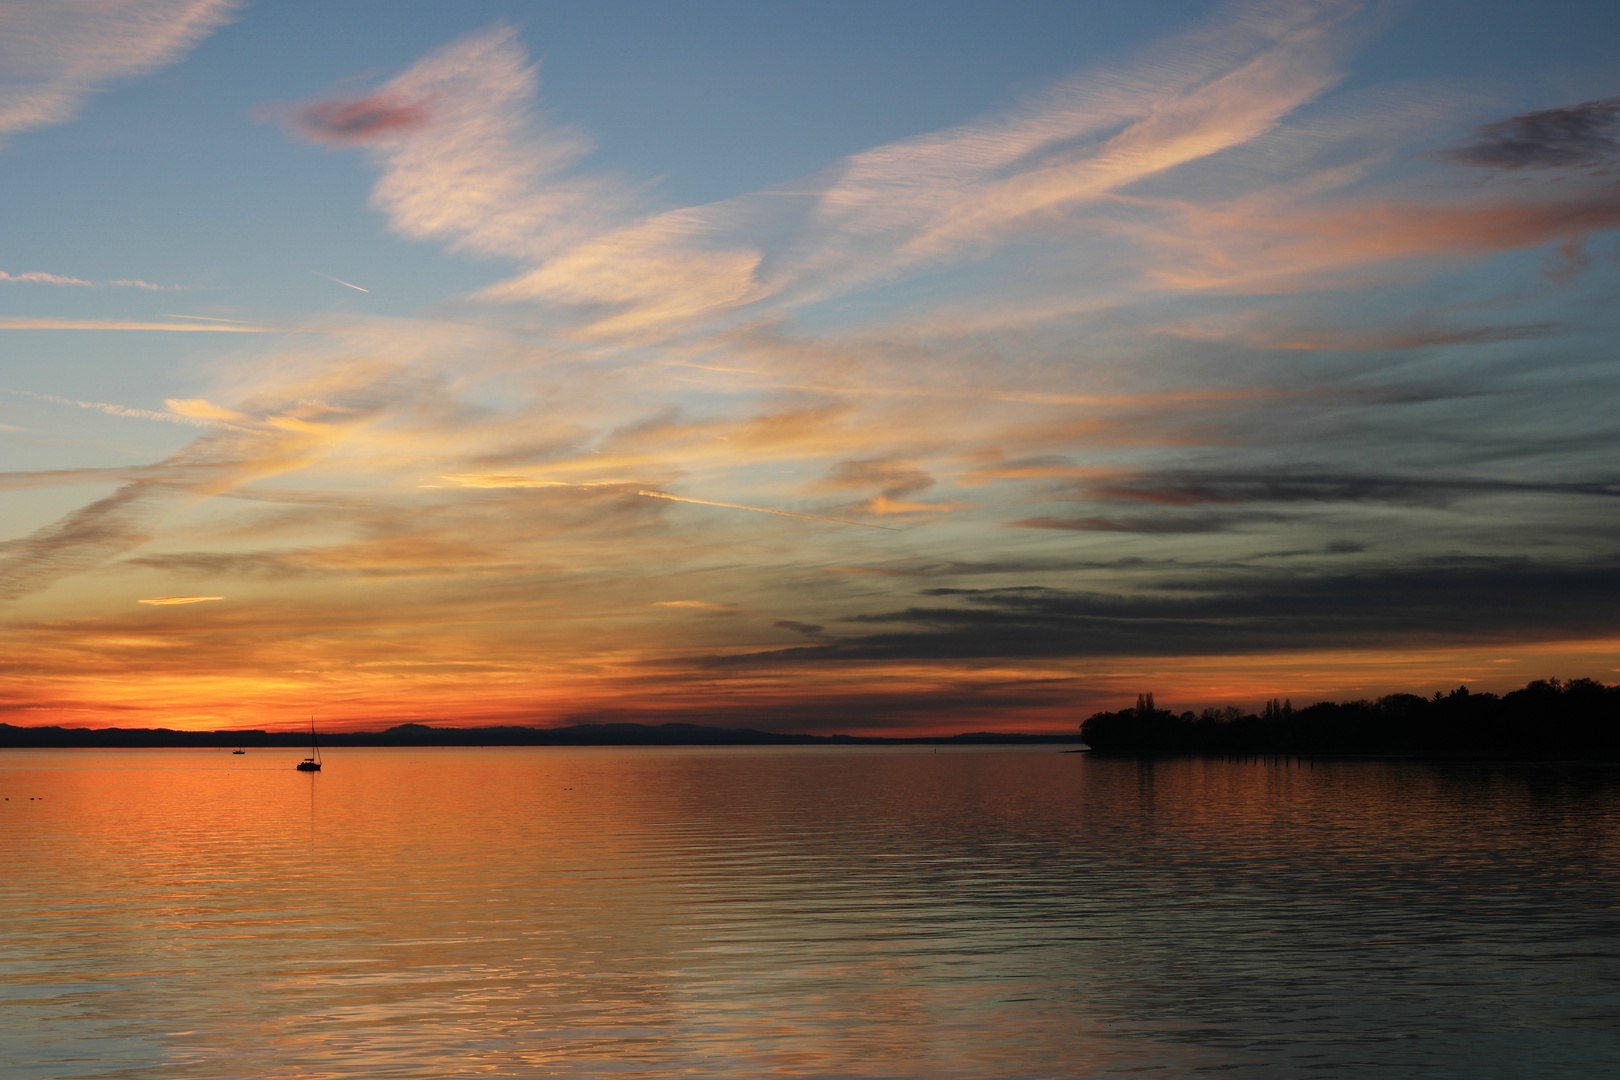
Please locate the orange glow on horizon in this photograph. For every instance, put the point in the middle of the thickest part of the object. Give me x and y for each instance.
(872, 698)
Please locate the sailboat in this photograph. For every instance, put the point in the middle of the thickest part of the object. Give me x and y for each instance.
(313, 762)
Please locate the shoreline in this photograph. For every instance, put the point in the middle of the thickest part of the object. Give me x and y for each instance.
(407, 735)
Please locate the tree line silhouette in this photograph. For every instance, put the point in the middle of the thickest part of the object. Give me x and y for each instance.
(1548, 718)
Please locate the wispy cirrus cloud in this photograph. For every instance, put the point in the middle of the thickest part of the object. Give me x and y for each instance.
(1087, 138)
(471, 163)
(467, 159)
(39, 277)
(137, 283)
(24, 322)
(57, 54)
(1256, 245)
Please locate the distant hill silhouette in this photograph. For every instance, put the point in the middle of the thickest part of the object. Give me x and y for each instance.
(427, 735)
(1548, 718)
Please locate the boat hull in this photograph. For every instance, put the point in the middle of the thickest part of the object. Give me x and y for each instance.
(309, 766)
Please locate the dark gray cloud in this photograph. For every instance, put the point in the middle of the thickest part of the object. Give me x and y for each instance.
(953, 568)
(1161, 524)
(209, 564)
(1246, 610)
(971, 703)
(83, 540)
(1189, 489)
(1581, 134)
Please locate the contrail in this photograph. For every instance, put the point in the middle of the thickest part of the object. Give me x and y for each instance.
(763, 510)
(23, 322)
(340, 281)
(122, 410)
(165, 600)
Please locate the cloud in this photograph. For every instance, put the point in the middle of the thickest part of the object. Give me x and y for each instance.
(757, 509)
(278, 566)
(1144, 315)
(1161, 524)
(1581, 134)
(895, 479)
(1235, 612)
(55, 55)
(16, 481)
(1263, 244)
(82, 540)
(1192, 489)
(479, 169)
(639, 279)
(965, 700)
(21, 322)
(166, 600)
(945, 196)
(137, 283)
(352, 121)
(1254, 328)
(482, 171)
(39, 277)
(238, 448)
(181, 412)
(467, 160)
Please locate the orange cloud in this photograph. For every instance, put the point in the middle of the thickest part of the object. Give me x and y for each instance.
(1252, 245)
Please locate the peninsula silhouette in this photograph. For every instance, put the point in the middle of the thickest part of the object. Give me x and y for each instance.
(1549, 718)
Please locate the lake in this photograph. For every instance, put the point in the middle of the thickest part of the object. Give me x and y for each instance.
(802, 912)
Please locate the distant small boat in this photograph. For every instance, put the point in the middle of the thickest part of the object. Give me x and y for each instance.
(239, 750)
(313, 762)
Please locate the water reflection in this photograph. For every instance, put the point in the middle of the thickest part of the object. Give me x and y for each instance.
(802, 912)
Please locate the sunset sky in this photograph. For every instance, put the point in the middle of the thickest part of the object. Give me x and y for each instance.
(881, 368)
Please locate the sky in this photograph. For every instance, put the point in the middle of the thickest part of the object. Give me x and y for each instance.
(902, 368)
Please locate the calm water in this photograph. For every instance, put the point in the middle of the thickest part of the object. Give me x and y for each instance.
(803, 912)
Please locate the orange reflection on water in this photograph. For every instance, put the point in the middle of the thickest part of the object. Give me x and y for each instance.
(798, 911)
